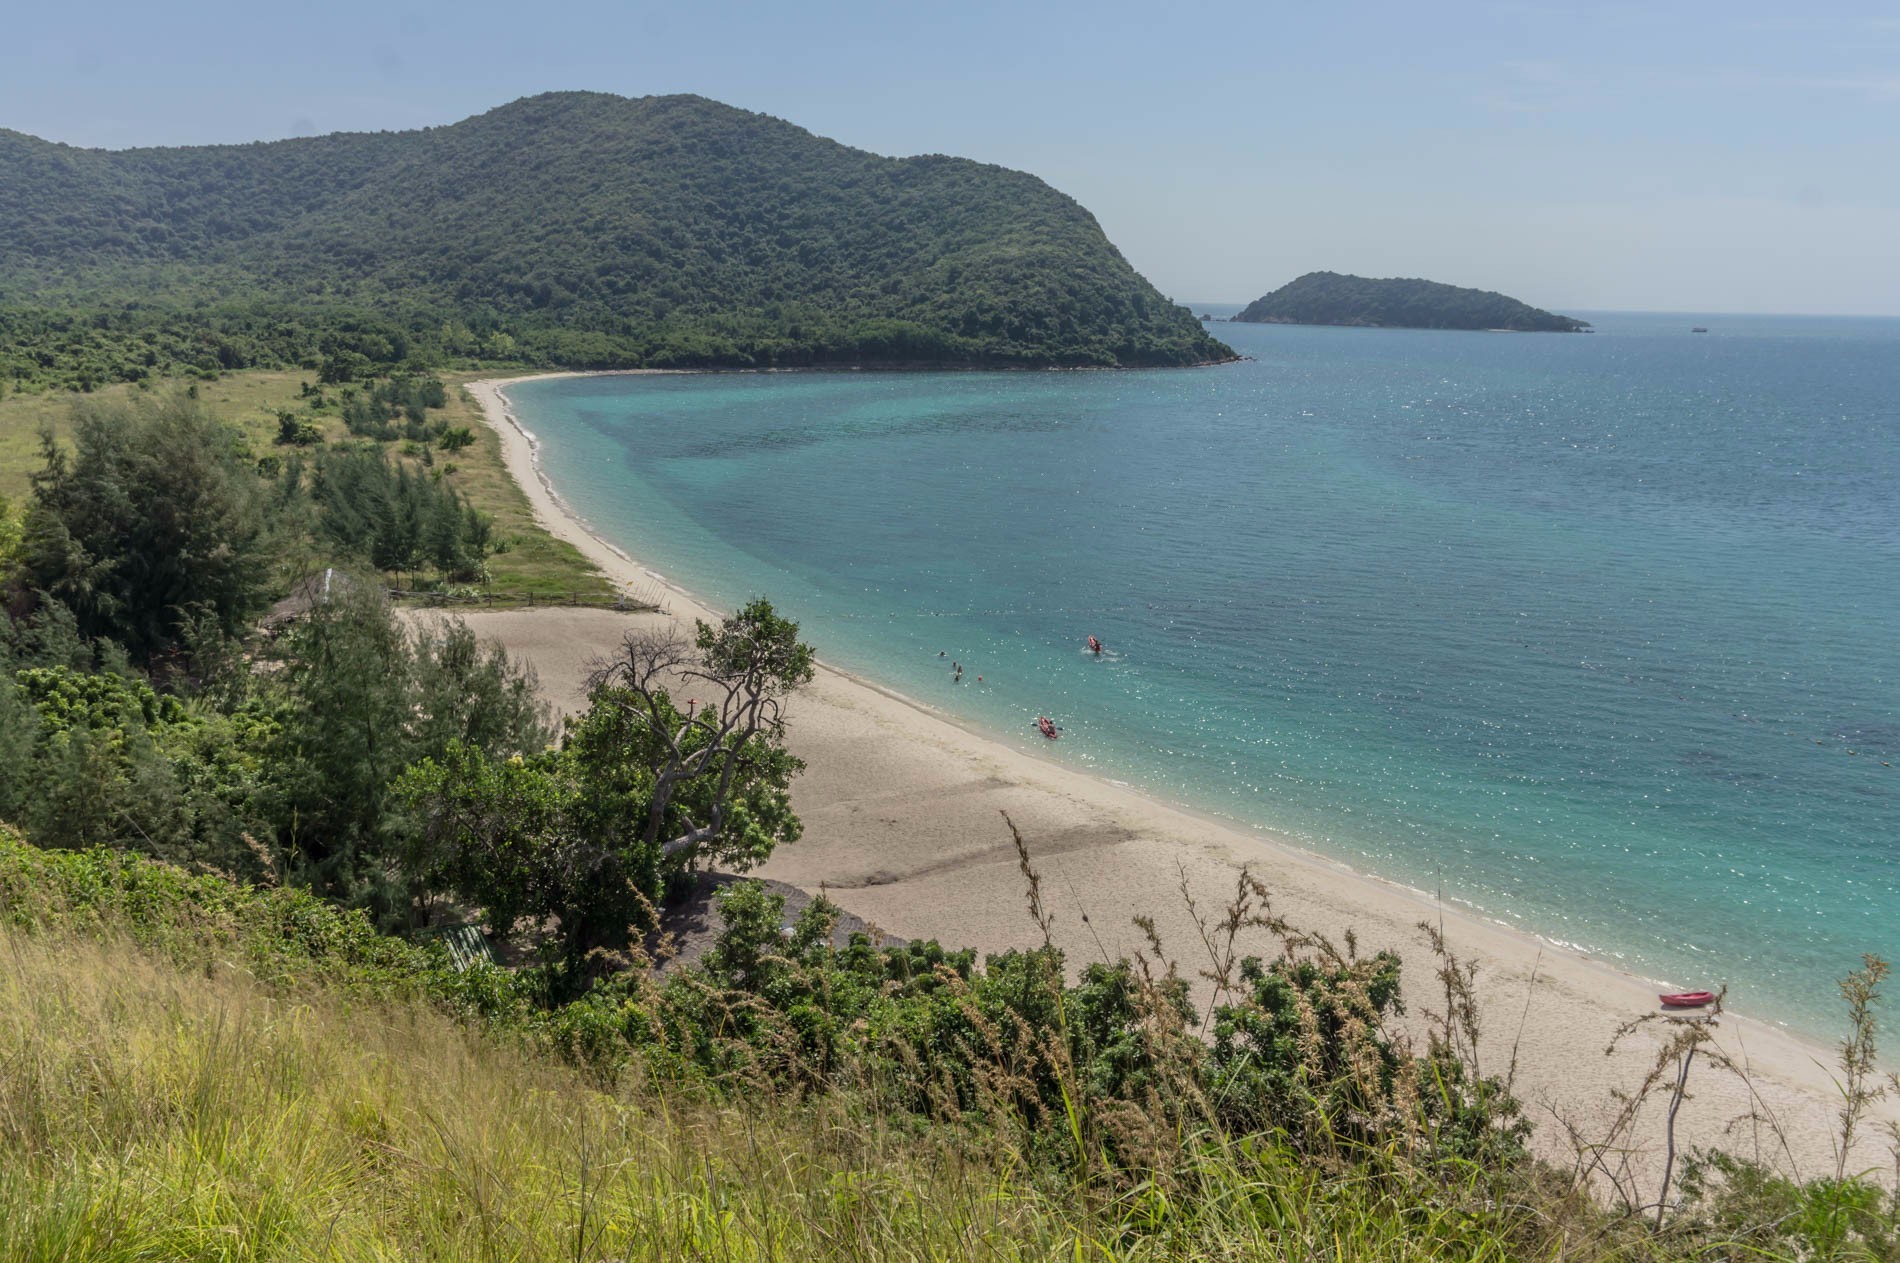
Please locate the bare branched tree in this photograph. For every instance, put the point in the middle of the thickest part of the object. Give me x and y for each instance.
(735, 677)
(1859, 1053)
(1667, 1078)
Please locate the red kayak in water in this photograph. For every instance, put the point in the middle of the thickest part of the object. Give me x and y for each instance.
(1095, 646)
(1687, 999)
(1047, 726)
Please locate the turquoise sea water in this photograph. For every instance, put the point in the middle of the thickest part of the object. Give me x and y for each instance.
(1595, 633)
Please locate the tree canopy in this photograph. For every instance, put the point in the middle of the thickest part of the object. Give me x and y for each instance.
(153, 521)
(640, 791)
(583, 229)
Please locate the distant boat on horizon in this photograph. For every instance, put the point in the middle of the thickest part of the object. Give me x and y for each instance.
(1698, 329)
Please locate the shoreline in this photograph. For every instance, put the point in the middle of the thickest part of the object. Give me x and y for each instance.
(900, 801)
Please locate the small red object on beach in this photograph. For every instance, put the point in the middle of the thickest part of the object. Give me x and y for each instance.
(1687, 999)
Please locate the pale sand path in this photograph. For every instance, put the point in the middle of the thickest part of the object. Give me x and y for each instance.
(901, 812)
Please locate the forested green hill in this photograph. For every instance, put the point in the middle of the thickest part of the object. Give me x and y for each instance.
(1330, 298)
(580, 229)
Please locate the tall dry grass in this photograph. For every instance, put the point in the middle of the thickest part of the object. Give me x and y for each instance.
(194, 1069)
(150, 1111)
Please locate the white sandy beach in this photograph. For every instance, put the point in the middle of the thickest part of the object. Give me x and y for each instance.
(901, 808)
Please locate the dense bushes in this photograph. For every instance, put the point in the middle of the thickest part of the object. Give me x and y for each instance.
(1108, 1063)
(126, 338)
(361, 697)
(281, 775)
(284, 935)
(97, 759)
(138, 709)
(131, 712)
(151, 524)
(292, 771)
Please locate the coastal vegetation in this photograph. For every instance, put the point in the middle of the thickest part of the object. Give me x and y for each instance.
(663, 231)
(292, 426)
(1330, 298)
(141, 705)
(236, 1025)
(142, 710)
(585, 836)
(205, 1068)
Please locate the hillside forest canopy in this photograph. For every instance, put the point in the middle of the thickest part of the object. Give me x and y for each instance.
(580, 230)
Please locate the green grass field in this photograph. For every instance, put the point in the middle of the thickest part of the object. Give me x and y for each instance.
(533, 561)
(247, 399)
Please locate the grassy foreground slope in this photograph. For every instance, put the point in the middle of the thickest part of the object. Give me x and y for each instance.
(199, 1069)
(221, 1122)
(585, 229)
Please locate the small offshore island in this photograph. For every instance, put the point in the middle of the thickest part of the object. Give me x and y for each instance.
(1333, 298)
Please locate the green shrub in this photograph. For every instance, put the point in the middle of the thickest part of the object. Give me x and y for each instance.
(152, 521)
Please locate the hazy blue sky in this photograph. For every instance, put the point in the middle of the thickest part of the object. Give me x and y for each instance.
(1733, 157)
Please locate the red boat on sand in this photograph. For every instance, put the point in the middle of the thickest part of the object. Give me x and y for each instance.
(1687, 999)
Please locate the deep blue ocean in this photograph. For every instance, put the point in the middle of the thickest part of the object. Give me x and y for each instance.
(1594, 633)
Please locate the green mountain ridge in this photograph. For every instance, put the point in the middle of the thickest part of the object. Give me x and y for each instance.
(1332, 298)
(598, 231)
